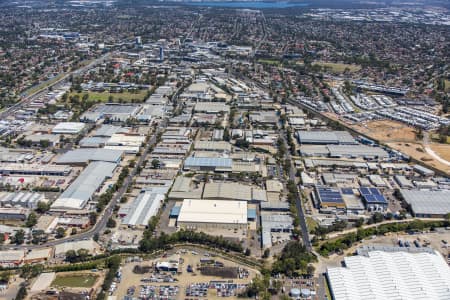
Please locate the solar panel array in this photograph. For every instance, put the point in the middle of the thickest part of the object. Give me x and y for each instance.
(347, 191)
(327, 194)
(372, 195)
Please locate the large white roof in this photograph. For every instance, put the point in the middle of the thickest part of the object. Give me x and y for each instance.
(391, 275)
(213, 211)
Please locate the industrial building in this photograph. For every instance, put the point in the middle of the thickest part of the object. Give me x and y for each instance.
(227, 191)
(274, 223)
(373, 199)
(328, 197)
(128, 143)
(427, 204)
(85, 156)
(21, 199)
(145, 206)
(391, 273)
(219, 146)
(195, 213)
(325, 137)
(68, 128)
(115, 112)
(215, 164)
(84, 187)
(345, 151)
(34, 169)
(211, 107)
(13, 214)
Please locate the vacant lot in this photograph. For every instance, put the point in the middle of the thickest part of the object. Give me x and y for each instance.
(387, 131)
(443, 150)
(338, 67)
(417, 151)
(75, 280)
(137, 96)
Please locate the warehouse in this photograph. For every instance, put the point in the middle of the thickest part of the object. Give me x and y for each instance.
(325, 137)
(128, 143)
(13, 214)
(93, 142)
(274, 223)
(11, 258)
(195, 213)
(85, 156)
(21, 199)
(211, 107)
(68, 128)
(217, 164)
(373, 199)
(115, 112)
(329, 197)
(227, 191)
(354, 151)
(427, 204)
(145, 206)
(109, 130)
(41, 139)
(212, 146)
(34, 169)
(83, 188)
(391, 274)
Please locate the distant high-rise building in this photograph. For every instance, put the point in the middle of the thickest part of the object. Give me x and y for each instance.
(161, 53)
(138, 40)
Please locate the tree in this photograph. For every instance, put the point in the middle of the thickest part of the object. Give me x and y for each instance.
(266, 253)
(248, 252)
(156, 163)
(96, 237)
(74, 231)
(42, 207)
(71, 256)
(111, 223)
(60, 232)
(359, 222)
(31, 220)
(19, 237)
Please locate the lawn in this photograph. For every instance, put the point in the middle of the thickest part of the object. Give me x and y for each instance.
(275, 62)
(75, 280)
(311, 223)
(138, 96)
(337, 67)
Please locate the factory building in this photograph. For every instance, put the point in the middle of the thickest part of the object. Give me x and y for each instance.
(197, 214)
(84, 187)
(391, 273)
(34, 169)
(427, 204)
(325, 137)
(206, 164)
(85, 156)
(21, 199)
(68, 128)
(145, 206)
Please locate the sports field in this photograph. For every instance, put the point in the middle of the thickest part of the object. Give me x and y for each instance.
(338, 67)
(75, 280)
(138, 96)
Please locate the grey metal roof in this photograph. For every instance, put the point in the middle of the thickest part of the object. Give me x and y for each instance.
(93, 141)
(217, 162)
(145, 206)
(427, 202)
(86, 155)
(109, 130)
(82, 189)
(325, 137)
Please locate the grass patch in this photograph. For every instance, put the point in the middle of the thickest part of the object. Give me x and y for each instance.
(131, 97)
(75, 280)
(447, 84)
(327, 289)
(274, 62)
(338, 67)
(311, 224)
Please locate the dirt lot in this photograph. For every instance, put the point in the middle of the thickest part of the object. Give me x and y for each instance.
(184, 279)
(443, 150)
(387, 131)
(416, 151)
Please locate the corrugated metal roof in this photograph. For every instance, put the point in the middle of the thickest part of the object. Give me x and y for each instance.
(81, 190)
(78, 156)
